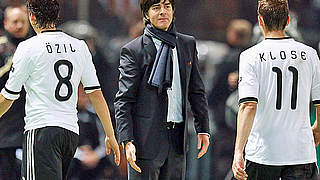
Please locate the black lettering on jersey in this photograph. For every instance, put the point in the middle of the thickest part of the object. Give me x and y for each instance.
(272, 58)
(58, 48)
(49, 48)
(72, 50)
(283, 55)
(294, 54)
(65, 48)
(261, 57)
(303, 55)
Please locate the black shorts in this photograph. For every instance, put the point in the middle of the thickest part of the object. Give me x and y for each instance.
(257, 171)
(47, 153)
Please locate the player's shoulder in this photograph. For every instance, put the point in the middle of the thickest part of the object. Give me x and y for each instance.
(251, 50)
(73, 39)
(186, 37)
(305, 47)
(29, 44)
(134, 44)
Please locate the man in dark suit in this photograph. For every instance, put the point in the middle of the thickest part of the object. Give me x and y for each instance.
(158, 73)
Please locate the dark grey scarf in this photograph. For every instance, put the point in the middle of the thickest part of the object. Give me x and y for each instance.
(161, 74)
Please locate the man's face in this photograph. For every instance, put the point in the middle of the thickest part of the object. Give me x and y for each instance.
(160, 15)
(16, 22)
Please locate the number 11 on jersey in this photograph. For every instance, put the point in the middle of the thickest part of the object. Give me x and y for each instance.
(279, 87)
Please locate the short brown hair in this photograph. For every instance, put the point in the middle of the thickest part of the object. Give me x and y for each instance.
(274, 13)
(242, 29)
(146, 4)
(45, 11)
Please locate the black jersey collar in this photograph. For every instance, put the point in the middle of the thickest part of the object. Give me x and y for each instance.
(279, 38)
(55, 30)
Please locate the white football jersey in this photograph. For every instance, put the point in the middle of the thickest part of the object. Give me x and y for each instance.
(50, 66)
(282, 75)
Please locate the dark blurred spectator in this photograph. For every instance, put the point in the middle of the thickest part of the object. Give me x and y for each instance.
(225, 82)
(17, 29)
(105, 19)
(107, 74)
(308, 12)
(106, 69)
(90, 162)
(136, 30)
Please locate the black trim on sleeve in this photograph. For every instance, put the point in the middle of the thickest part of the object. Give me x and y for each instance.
(92, 88)
(316, 102)
(12, 92)
(248, 99)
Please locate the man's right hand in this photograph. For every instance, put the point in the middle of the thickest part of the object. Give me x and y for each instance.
(111, 144)
(238, 167)
(131, 156)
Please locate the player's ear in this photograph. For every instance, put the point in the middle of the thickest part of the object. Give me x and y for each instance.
(260, 19)
(32, 16)
(5, 23)
(288, 21)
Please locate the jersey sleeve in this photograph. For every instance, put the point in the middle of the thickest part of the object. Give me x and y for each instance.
(89, 78)
(248, 82)
(18, 75)
(315, 91)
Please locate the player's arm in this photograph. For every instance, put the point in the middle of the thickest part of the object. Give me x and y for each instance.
(316, 126)
(19, 73)
(102, 110)
(315, 94)
(245, 119)
(246, 114)
(5, 104)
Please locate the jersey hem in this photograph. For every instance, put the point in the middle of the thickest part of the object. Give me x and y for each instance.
(70, 128)
(271, 163)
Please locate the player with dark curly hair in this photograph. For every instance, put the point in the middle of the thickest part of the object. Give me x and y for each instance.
(51, 66)
(46, 12)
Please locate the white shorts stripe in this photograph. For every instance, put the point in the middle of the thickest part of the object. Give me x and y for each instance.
(30, 155)
(28, 158)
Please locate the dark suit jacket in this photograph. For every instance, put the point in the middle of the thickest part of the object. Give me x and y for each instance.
(140, 111)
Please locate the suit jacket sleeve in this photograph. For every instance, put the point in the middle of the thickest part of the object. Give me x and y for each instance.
(197, 96)
(129, 81)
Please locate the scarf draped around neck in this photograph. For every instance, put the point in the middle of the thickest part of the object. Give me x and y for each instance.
(161, 74)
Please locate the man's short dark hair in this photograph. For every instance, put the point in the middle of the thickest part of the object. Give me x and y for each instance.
(146, 4)
(45, 11)
(274, 13)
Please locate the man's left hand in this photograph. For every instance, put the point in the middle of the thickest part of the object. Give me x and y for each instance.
(203, 144)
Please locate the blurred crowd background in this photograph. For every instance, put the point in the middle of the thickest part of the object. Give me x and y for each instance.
(223, 29)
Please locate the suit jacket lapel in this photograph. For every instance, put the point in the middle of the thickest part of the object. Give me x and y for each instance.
(182, 67)
(149, 48)
(182, 64)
